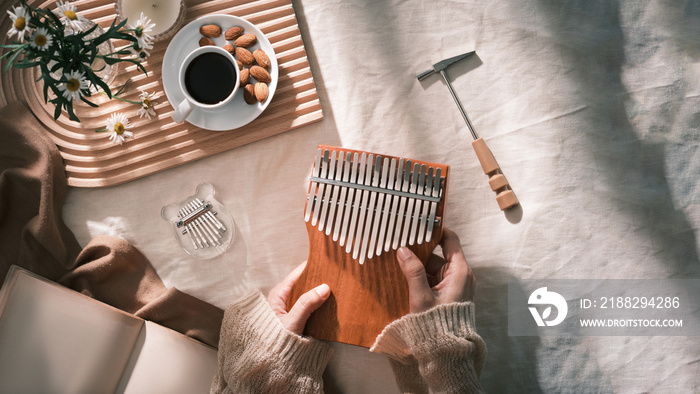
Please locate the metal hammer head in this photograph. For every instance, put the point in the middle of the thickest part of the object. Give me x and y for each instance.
(441, 65)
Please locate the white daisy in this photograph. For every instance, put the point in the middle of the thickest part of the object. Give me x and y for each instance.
(116, 126)
(147, 105)
(69, 16)
(20, 23)
(74, 85)
(142, 27)
(41, 39)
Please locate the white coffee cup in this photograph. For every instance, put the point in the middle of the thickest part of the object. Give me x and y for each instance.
(213, 93)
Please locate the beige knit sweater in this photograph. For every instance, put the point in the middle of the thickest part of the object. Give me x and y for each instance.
(435, 351)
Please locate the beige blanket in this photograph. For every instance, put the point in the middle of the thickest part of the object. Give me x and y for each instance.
(34, 236)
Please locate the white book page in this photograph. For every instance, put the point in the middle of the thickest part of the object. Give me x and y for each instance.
(165, 361)
(55, 340)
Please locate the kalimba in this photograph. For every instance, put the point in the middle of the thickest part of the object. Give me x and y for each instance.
(203, 226)
(361, 208)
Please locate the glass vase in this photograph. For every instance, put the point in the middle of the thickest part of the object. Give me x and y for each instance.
(106, 72)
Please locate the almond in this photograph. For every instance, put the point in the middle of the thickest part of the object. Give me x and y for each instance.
(249, 94)
(233, 33)
(261, 91)
(262, 59)
(204, 41)
(246, 40)
(210, 30)
(260, 74)
(240, 65)
(229, 48)
(245, 56)
(245, 74)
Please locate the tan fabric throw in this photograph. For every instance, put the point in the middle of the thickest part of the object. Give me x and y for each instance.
(113, 271)
(32, 189)
(32, 235)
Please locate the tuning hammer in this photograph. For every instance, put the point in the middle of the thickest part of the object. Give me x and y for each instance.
(504, 194)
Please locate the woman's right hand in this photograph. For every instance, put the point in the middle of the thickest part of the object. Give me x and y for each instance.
(443, 279)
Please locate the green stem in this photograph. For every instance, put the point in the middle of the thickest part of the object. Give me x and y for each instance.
(14, 49)
(123, 99)
(107, 55)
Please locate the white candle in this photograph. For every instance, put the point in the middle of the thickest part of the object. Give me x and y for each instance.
(164, 13)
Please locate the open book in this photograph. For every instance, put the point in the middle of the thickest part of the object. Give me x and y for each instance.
(53, 339)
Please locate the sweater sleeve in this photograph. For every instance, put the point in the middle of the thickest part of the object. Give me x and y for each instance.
(257, 354)
(437, 350)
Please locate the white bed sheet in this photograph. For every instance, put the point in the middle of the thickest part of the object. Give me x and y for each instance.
(591, 109)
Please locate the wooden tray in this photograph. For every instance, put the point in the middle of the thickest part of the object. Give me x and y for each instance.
(93, 161)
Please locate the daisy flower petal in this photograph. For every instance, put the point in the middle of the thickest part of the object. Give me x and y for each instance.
(20, 23)
(69, 15)
(147, 105)
(41, 39)
(116, 126)
(73, 88)
(143, 26)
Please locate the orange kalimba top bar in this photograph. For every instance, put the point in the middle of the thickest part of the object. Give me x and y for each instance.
(360, 209)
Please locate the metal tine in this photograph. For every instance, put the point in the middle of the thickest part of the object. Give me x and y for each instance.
(193, 212)
(334, 200)
(409, 208)
(360, 238)
(208, 228)
(199, 226)
(321, 187)
(199, 222)
(394, 203)
(198, 234)
(433, 205)
(428, 191)
(218, 231)
(211, 234)
(416, 211)
(194, 206)
(194, 243)
(187, 230)
(380, 205)
(324, 206)
(211, 216)
(341, 201)
(216, 221)
(351, 193)
(190, 229)
(402, 205)
(385, 216)
(312, 189)
(358, 196)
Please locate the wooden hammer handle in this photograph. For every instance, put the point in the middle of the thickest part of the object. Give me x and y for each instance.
(499, 184)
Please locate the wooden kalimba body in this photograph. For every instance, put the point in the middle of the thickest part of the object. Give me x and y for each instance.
(360, 209)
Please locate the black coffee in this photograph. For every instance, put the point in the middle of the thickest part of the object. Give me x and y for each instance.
(210, 78)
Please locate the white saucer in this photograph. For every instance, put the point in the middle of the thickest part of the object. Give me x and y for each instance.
(235, 114)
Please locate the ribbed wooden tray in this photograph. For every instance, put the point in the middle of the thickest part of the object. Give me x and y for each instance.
(93, 161)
